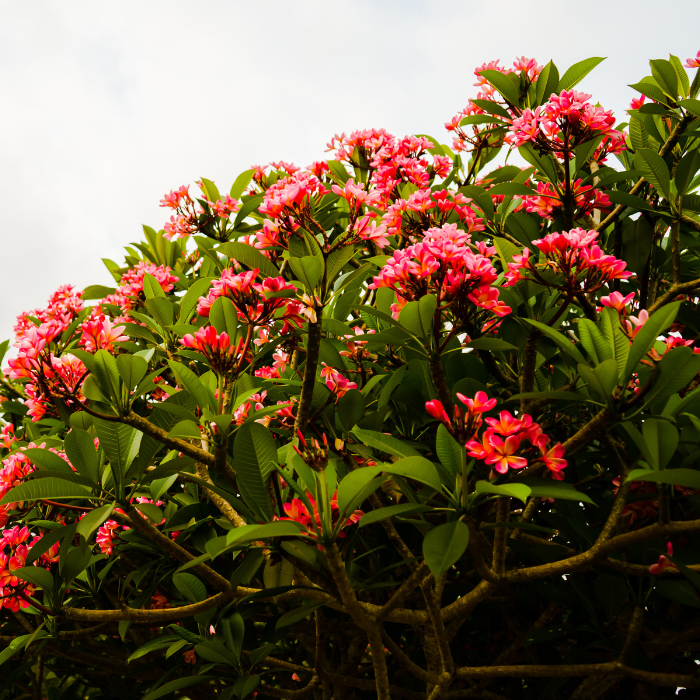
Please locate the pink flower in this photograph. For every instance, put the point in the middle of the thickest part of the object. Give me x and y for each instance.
(502, 456)
(617, 301)
(506, 423)
(553, 459)
(99, 334)
(693, 62)
(436, 410)
(637, 102)
(663, 561)
(481, 403)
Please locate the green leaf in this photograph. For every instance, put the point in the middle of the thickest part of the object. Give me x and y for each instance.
(240, 183)
(678, 477)
(93, 520)
(676, 369)
(336, 262)
(189, 302)
(50, 488)
(511, 188)
(652, 91)
(503, 84)
(97, 291)
(661, 438)
(417, 468)
(224, 317)
(250, 533)
(541, 161)
(693, 106)
(297, 615)
(593, 341)
(120, 443)
(380, 514)
(308, 270)
(249, 256)
(351, 408)
(616, 339)
(547, 83)
(254, 451)
(177, 684)
(665, 75)
(385, 443)
(153, 645)
(189, 381)
(191, 587)
(490, 344)
(151, 287)
(519, 491)
(449, 451)
(444, 545)
(574, 75)
(686, 169)
(644, 341)
(106, 374)
(564, 343)
(45, 459)
(655, 170)
(549, 488)
(132, 369)
(36, 575)
(162, 310)
(353, 486)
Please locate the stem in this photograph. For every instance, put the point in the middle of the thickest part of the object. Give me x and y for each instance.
(676, 251)
(568, 202)
(313, 348)
(437, 374)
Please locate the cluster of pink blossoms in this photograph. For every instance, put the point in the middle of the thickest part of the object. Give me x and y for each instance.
(186, 219)
(336, 382)
(444, 264)
(297, 511)
(693, 62)
(15, 468)
(100, 334)
(508, 442)
(49, 374)
(129, 294)
(566, 121)
(547, 202)
(574, 254)
(15, 545)
(64, 305)
(252, 299)
(222, 356)
(255, 403)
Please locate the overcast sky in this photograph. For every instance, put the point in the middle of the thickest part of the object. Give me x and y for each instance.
(104, 106)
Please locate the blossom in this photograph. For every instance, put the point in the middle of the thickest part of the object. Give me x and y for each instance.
(297, 511)
(616, 301)
(663, 562)
(693, 62)
(436, 410)
(99, 334)
(216, 348)
(502, 454)
(637, 102)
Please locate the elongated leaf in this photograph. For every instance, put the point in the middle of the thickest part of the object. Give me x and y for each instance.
(418, 468)
(254, 451)
(36, 575)
(678, 477)
(644, 340)
(616, 339)
(661, 438)
(564, 343)
(449, 451)
(191, 587)
(351, 408)
(519, 491)
(308, 270)
(240, 183)
(549, 488)
(153, 645)
(547, 83)
(385, 443)
(177, 684)
(151, 287)
(297, 615)
(380, 514)
(189, 381)
(189, 302)
(444, 545)
(675, 371)
(45, 459)
(118, 441)
(503, 84)
(93, 520)
(655, 169)
(490, 344)
(574, 75)
(106, 374)
(354, 484)
(50, 488)
(48, 540)
(249, 256)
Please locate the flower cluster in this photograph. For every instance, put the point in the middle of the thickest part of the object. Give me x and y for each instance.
(547, 202)
(508, 442)
(221, 355)
(15, 468)
(64, 305)
(188, 219)
(256, 303)
(336, 382)
(129, 294)
(296, 510)
(100, 334)
(573, 254)
(443, 264)
(563, 123)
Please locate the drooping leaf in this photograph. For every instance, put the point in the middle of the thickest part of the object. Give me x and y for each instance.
(444, 545)
(254, 451)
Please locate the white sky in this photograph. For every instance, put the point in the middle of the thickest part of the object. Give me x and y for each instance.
(105, 106)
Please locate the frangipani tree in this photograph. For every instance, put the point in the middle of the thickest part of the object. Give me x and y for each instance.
(400, 424)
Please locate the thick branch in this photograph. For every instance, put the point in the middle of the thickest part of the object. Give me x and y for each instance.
(313, 348)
